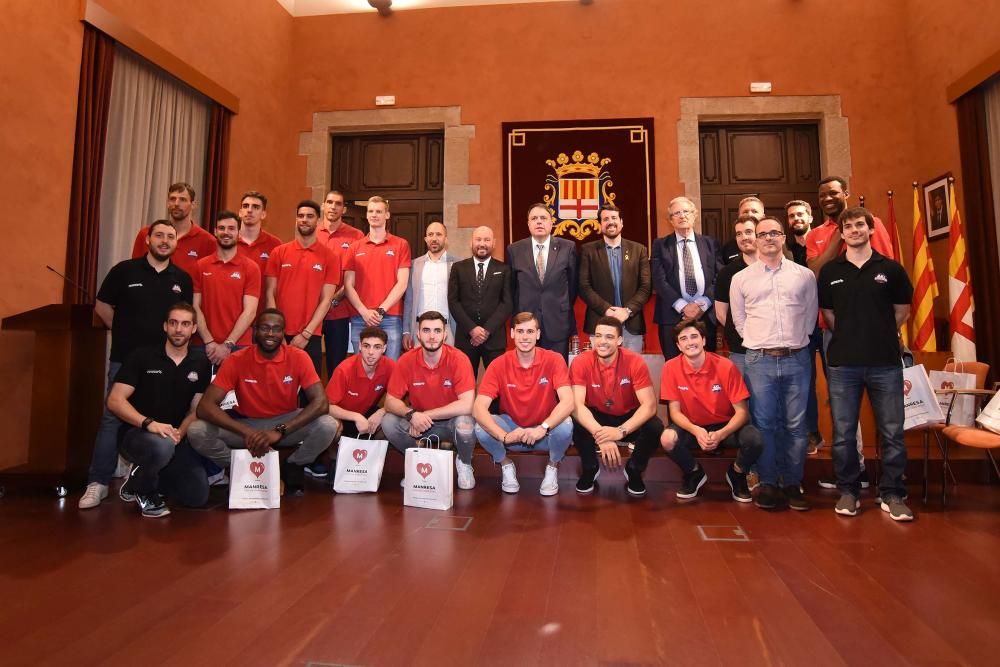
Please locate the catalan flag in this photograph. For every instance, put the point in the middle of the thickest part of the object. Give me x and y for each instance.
(904, 331)
(963, 337)
(925, 283)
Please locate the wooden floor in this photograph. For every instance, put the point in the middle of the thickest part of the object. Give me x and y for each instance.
(523, 580)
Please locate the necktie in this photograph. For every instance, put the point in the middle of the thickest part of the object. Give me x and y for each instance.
(540, 262)
(479, 276)
(690, 282)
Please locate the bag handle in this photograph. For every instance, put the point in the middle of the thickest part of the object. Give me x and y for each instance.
(956, 365)
(431, 441)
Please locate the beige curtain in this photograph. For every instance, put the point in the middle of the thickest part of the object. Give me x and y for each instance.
(991, 94)
(157, 135)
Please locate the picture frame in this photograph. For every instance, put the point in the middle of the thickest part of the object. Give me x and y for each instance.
(937, 207)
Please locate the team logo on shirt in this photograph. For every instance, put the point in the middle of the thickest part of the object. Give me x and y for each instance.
(446, 383)
(716, 388)
(836, 282)
(317, 267)
(379, 387)
(287, 379)
(390, 253)
(419, 384)
(264, 255)
(154, 371)
(249, 380)
(625, 381)
(514, 386)
(193, 376)
(881, 279)
(192, 253)
(345, 245)
(135, 285)
(596, 386)
(543, 380)
(286, 266)
(352, 393)
(235, 275)
(176, 289)
(682, 387)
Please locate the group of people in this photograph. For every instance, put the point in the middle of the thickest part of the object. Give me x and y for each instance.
(218, 343)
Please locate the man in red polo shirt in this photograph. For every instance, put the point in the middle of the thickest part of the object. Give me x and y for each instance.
(356, 389)
(440, 385)
(375, 278)
(266, 379)
(707, 399)
(226, 292)
(193, 242)
(536, 400)
(615, 401)
(255, 241)
(338, 237)
(300, 281)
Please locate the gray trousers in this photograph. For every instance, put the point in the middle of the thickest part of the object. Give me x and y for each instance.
(312, 439)
(459, 430)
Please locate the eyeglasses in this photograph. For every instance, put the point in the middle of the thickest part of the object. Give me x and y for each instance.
(267, 329)
(682, 214)
(770, 235)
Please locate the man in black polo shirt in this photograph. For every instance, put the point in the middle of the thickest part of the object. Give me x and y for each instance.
(154, 395)
(746, 243)
(865, 297)
(131, 302)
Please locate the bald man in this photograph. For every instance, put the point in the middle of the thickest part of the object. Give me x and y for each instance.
(428, 287)
(480, 301)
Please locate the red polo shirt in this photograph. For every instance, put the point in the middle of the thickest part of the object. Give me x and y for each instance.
(375, 266)
(616, 382)
(222, 286)
(528, 395)
(191, 247)
(350, 387)
(432, 387)
(339, 242)
(260, 250)
(301, 274)
(266, 387)
(706, 395)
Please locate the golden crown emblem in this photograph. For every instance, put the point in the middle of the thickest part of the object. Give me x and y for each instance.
(564, 166)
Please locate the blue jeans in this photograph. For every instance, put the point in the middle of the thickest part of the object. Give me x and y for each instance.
(105, 458)
(885, 391)
(555, 443)
(392, 325)
(780, 387)
(458, 430)
(812, 407)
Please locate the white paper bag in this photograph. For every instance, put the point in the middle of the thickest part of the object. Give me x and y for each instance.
(430, 477)
(963, 411)
(254, 484)
(920, 405)
(989, 418)
(359, 465)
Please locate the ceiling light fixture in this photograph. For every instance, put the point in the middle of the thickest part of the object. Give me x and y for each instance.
(384, 7)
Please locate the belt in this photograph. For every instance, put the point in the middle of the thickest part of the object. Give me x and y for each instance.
(779, 351)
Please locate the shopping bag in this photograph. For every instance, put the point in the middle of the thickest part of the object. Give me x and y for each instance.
(359, 465)
(989, 418)
(254, 483)
(430, 476)
(963, 410)
(920, 405)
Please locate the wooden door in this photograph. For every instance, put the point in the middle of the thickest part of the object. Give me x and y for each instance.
(775, 162)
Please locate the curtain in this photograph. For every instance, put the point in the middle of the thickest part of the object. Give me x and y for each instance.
(157, 135)
(992, 100)
(216, 165)
(93, 102)
(980, 223)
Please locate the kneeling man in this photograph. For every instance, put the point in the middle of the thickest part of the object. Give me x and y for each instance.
(707, 399)
(535, 404)
(266, 379)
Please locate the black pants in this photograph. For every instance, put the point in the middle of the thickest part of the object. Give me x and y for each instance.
(477, 353)
(335, 336)
(669, 347)
(560, 346)
(748, 439)
(314, 348)
(646, 439)
(177, 472)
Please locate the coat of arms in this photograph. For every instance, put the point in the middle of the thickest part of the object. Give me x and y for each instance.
(575, 193)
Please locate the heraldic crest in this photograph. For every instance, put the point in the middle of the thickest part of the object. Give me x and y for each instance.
(575, 193)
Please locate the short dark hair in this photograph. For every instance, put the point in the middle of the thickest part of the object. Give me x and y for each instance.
(608, 321)
(522, 317)
(373, 332)
(798, 202)
(853, 213)
(781, 223)
(431, 315)
(538, 205)
(181, 305)
(745, 218)
(255, 195)
(335, 191)
(308, 203)
(606, 206)
(182, 186)
(687, 324)
(270, 311)
(157, 223)
(229, 215)
(838, 179)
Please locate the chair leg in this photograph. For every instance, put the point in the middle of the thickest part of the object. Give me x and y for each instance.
(944, 473)
(989, 453)
(927, 451)
(947, 468)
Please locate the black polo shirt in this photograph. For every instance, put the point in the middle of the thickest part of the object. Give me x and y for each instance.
(862, 300)
(141, 297)
(164, 390)
(798, 251)
(722, 282)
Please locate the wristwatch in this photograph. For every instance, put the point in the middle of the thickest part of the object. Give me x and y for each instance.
(230, 344)
(282, 429)
(146, 422)
(546, 426)
(409, 413)
(380, 311)
(623, 430)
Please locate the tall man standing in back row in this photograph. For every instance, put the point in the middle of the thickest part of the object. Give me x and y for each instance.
(338, 237)
(256, 242)
(193, 242)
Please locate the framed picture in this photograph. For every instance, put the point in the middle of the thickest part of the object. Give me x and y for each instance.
(937, 208)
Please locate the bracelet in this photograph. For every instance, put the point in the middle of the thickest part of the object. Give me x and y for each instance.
(304, 332)
(504, 439)
(146, 422)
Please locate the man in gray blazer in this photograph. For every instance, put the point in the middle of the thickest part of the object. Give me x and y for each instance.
(543, 274)
(428, 286)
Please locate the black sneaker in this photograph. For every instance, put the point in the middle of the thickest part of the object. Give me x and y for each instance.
(152, 505)
(796, 500)
(738, 485)
(693, 481)
(767, 497)
(587, 480)
(317, 469)
(127, 490)
(293, 475)
(633, 483)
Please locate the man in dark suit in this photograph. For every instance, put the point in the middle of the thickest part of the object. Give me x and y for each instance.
(479, 301)
(684, 266)
(543, 280)
(615, 279)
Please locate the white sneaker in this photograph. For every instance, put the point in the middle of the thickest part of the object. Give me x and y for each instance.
(508, 478)
(550, 483)
(93, 495)
(466, 477)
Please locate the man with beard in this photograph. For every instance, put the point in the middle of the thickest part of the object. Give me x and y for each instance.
(865, 298)
(131, 302)
(437, 379)
(193, 242)
(615, 279)
(266, 379)
(428, 284)
(479, 300)
(746, 240)
(155, 394)
(614, 401)
(226, 292)
(753, 206)
(255, 242)
(301, 279)
(338, 237)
